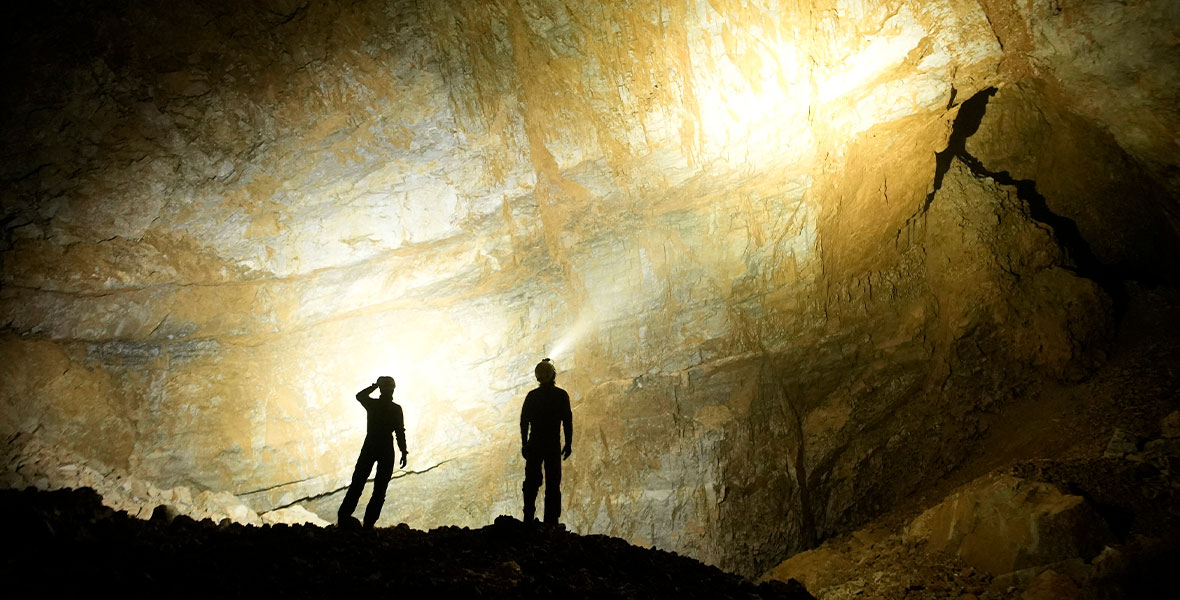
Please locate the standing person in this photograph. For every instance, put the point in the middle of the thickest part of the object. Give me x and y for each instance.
(384, 421)
(545, 412)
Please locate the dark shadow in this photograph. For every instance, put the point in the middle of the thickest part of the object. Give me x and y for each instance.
(965, 125)
(1081, 257)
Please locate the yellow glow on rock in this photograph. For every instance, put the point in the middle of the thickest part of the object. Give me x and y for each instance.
(445, 382)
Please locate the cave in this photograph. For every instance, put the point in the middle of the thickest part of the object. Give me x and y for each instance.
(868, 294)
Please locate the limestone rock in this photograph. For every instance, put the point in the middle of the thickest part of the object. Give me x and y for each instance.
(30, 463)
(1122, 443)
(1050, 585)
(1170, 425)
(752, 236)
(164, 513)
(1064, 161)
(816, 569)
(293, 515)
(1002, 524)
(1087, 50)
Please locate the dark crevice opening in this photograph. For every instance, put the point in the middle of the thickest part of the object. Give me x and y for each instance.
(1065, 230)
(965, 125)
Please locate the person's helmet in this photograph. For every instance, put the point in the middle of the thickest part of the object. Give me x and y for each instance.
(545, 371)
(386, 380)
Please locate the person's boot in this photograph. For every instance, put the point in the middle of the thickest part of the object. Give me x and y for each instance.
(347, 522)
(371, 515)
(552, 508)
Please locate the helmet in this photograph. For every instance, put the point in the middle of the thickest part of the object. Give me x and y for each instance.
(545, 371)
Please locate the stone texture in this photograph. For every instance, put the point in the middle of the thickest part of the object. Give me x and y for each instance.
(1098, 58)
(779, 275)
(1122, 443)
(293, 515)
(1131, 499)
(1170, 425)
(1050, 585)
(30, 463)
(816, 569)
(1027, 135)
(1003, 524)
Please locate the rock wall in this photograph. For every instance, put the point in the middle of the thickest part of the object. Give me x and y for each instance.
(783, 253)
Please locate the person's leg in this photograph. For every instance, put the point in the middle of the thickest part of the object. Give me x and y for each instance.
(532, 483)
(360, 474)
(380, 484)
(552, 488)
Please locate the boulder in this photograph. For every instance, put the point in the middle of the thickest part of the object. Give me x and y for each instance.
(816, 569)
(1001, 523)
(293, 515)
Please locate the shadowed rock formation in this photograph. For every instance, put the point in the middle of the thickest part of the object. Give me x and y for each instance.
(69, 531)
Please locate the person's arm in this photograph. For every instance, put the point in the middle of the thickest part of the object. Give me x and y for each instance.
(524, 428)
(363, 395)
(567, 423)
(399, 430)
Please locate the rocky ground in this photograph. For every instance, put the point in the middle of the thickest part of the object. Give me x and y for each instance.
(66, 543)
(1074, 492)
(1102, 528)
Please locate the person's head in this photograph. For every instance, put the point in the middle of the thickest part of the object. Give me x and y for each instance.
(387, 384)
(545, 371)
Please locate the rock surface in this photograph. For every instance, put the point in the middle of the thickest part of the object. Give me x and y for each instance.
(70, 531)
(1078, 525)
(787, 256)
(1014, 534)
(1002, 524)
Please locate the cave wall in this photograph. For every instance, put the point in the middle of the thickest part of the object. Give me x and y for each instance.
(783, 253)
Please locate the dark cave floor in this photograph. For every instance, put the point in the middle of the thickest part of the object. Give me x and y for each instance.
(66, 543)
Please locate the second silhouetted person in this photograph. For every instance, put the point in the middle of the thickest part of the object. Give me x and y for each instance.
(545, 413)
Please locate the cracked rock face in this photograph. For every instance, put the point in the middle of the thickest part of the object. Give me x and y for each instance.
(781, 253)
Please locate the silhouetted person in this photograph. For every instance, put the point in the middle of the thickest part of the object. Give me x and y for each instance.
(545, 412)
(384, 421)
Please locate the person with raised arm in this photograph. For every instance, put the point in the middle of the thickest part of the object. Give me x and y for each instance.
(385, 421)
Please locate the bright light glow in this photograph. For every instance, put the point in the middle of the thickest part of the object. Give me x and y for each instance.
(760, 99)
(881, 53)
(573, 335)
(446, 385)
(764, 119)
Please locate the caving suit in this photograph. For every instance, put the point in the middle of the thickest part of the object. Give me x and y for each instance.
(545, 413)
(384, 421)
